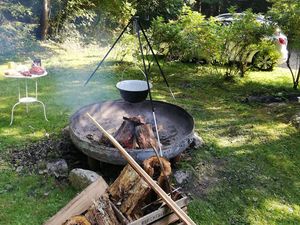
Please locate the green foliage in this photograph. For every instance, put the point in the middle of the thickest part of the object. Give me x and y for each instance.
(193, 38)
(127, 48)
(168, 9)
(241, 39)
(189, 38)
(248, 173)
(16, 30)
(287, 14)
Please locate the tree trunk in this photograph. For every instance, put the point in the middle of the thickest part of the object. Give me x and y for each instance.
(296, 75)
(45, 19)
(199, 6)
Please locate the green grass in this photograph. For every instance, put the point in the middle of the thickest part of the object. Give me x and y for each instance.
(250, 162)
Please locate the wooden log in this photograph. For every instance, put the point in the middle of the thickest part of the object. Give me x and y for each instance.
(179, 212)
(77, 220)
(160, 167)
(138, 120)
(145, 137)
(102, 213)
(129, 190)
(80, 203)
(158, 214)
(125, 134)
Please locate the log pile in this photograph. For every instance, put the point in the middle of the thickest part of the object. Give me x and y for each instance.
(128, 199)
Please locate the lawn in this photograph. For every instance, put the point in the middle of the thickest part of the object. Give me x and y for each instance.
(247, 172)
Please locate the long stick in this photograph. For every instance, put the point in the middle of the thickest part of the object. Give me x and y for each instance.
(178, 211)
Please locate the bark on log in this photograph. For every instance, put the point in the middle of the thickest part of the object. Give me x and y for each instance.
(77, 220)
(129, 191)
(125, 134)
(153, 167)
(145, 137)
(102, 213)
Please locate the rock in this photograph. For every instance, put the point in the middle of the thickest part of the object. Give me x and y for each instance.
(197, 141)
(262, 99)
(181, 176)
(58, 168)
(277, 104)
(80, 178)
(19, 169)
(66, 131)
(295, 120)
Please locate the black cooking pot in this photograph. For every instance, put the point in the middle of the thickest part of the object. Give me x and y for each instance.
(133, 90)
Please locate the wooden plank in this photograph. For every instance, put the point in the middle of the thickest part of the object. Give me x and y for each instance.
(157, 214)
(167, 199)
(80, 203)
(168, 219)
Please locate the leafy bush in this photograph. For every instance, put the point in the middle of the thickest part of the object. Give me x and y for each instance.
(193, 38)
(190, 38)
(241, 40)
(16, 31)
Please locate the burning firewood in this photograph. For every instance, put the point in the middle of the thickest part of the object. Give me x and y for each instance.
(125, 134)
(134, 133)
(145, 137)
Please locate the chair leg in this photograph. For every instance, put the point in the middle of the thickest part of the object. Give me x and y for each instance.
(12, 113)
(44, 109)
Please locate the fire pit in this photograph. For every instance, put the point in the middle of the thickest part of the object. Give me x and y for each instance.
(175, 128)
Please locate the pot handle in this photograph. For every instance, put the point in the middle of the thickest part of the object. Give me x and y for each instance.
(138, 68)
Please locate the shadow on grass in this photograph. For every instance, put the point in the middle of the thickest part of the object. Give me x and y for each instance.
(259, 149)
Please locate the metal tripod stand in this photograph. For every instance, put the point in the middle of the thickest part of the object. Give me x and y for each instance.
(139, 27)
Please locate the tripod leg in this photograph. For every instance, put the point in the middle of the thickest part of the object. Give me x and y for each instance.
(155, 58)
(150, 94)
(100, 63)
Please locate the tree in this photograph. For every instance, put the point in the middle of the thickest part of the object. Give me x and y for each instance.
(287, 14)
(45, 19)
(215, 7)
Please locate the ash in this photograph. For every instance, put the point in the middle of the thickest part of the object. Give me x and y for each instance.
(33, 157)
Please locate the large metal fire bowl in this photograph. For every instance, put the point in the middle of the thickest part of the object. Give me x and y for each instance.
(176, 129)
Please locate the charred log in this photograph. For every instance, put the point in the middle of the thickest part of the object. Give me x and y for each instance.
(145, 137)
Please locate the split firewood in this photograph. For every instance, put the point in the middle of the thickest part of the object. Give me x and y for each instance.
(102, 212)
(77, 220)
(153, 166)
(125, 134)
(128, 192)
(145, 137)
(138, 120)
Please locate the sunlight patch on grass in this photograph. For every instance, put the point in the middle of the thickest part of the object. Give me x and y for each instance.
(238, 141)
(274, 212)
(278, 207)
(273, 131)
